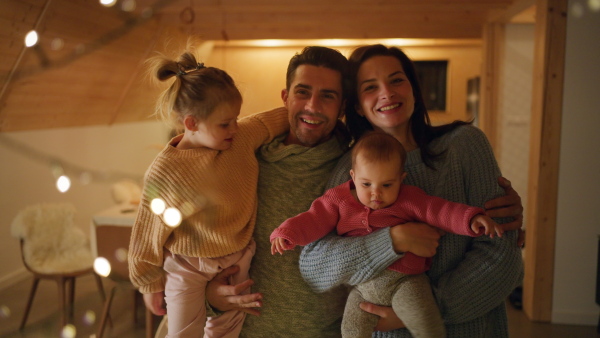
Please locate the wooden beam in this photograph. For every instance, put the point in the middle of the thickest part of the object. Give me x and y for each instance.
(549, 60)
(515, 9)
(493, 44)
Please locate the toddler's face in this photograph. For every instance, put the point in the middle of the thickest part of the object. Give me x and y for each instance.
(217, 131)
(377, 182)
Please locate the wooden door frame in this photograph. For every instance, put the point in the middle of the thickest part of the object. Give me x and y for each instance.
(546, 114)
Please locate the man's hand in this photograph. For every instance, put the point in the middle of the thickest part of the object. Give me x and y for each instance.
(388, 320)
(509, 205)
(155, 303)
(225, 297)
(418, 238)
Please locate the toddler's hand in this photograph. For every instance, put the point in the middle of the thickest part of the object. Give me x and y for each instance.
(278, 245)
(487, 225)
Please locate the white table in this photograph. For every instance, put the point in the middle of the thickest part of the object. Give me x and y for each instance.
(117, 215)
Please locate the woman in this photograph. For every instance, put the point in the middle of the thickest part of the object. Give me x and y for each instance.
(471, 277)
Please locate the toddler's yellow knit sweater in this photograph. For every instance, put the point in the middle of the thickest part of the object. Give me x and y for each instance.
(215, 191)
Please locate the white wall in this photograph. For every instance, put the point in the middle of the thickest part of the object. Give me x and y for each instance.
(578, 224)
(515, 105)
(26, 177)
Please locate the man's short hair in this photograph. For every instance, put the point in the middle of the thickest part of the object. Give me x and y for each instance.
(320, 57)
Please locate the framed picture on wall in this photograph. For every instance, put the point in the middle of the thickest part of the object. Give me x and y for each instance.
(433, 77)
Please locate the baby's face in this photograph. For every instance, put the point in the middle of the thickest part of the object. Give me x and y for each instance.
(377, 183)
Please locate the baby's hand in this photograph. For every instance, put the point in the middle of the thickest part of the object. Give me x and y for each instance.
(485, 223)
(278, 245)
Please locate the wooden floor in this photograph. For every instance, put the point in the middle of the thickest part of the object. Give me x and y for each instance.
(44, 319)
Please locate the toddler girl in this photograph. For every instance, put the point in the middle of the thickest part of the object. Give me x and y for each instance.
(206, 179)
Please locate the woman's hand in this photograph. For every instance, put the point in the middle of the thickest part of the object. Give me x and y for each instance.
(418, 238)
(155, 303)
(509, 205)
(388, 320)
(225, 297)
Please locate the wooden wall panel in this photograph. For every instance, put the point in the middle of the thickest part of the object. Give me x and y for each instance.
(94, 76)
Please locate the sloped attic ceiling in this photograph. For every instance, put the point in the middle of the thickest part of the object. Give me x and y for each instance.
(87, 67)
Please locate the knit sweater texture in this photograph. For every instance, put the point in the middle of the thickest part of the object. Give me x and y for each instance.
(215, 191)
(471, 277)
(339, 210)
(291, 178)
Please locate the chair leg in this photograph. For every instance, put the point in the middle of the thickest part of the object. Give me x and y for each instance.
(105, 312)
(61, 283)
(29, 301)
(100, 286)
(149, 324)
(71, 299)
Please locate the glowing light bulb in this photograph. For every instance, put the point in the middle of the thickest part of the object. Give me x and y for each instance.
(172, 217)
(63, 183)
(108, 3)
(31, 38)
(102, 266)
(157, 206)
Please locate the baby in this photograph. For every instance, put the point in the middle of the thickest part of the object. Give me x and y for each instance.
(373, 199)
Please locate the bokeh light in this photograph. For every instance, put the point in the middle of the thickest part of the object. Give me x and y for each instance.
(31, 38)
(594, 5)
(68, 331)
(172, 217)
(128, 5)
(157, 206)
(102, 266)
(121, 255)
(4, 312)
(63, 183)
(57, 44)
(89, 318)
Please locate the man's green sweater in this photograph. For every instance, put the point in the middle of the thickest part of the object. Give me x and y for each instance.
(290, 178)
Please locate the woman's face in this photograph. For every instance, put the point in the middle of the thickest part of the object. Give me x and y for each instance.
(385, 94)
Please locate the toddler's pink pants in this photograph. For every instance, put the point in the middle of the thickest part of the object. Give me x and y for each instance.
(185, 289)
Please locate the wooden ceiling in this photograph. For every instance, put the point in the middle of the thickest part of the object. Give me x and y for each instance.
(86, 68)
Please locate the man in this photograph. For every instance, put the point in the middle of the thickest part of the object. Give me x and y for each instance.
(294, 170)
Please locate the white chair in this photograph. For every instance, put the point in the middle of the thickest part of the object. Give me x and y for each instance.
(52, 247)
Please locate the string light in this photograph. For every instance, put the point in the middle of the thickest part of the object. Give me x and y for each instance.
(108, 3)
(157, 206)
(31, 39)
(62, 171)
(128, 24)
(172, 217)
(102, 266)
(63, 183)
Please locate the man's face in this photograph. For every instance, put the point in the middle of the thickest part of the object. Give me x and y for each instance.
(314, 103)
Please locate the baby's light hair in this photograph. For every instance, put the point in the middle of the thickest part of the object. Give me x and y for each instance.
(377, 146)
(196, 91)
